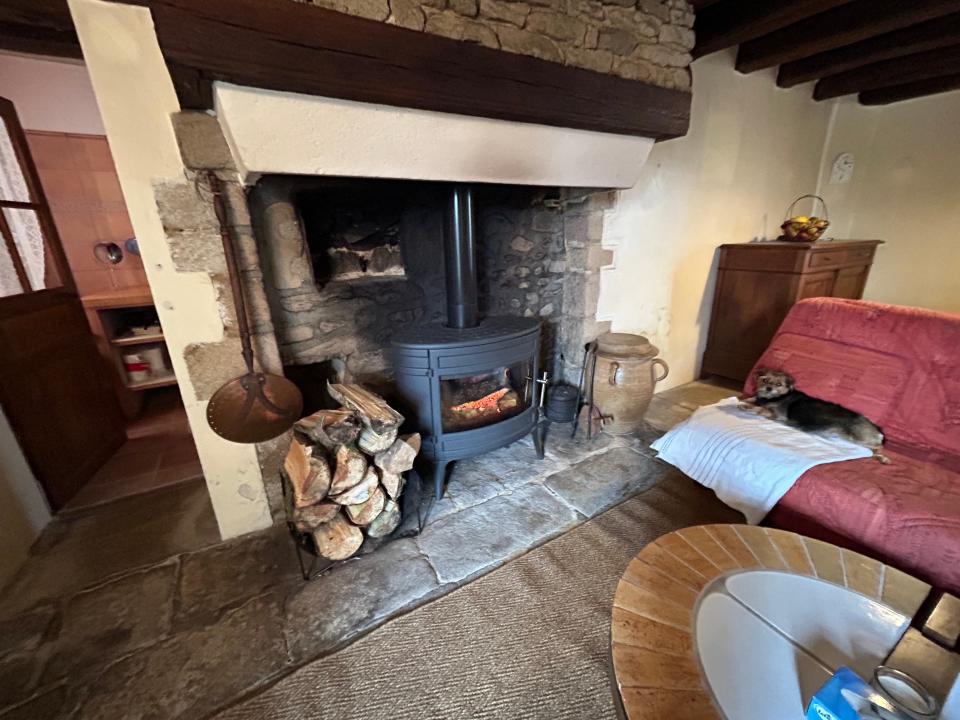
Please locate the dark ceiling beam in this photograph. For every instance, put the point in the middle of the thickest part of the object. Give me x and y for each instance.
(930, 35)
(41, 27)
(847, 24)
(731, 22)
(295, 47)
(922, 66)
(909, 91)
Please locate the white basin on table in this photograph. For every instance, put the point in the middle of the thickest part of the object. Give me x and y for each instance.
(767, 640)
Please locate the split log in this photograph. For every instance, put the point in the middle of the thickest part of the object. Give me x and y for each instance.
(338, 539)
(398, 458)
(350, 469)
(308, 476)
(392, 483)
(330, 427)
(372, 443)
(373, 410)
(386, 522)
(361, 492)
(313, 516)
(366, 512)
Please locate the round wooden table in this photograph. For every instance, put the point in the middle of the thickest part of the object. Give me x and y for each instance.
(669, 648)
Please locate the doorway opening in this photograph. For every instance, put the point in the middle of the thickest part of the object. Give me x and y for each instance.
(85, 380)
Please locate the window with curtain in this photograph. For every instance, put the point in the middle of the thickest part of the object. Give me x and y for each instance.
(25, 263)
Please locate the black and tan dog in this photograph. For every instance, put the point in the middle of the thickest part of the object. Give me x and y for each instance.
(778, 399)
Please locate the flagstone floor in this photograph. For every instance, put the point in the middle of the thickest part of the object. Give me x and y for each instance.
(135, 609)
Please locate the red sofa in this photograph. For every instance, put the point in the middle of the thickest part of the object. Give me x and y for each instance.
(900, 367)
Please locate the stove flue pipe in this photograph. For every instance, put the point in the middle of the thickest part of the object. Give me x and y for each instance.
(460, 257)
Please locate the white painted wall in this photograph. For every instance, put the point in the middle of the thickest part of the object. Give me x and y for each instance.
(752, 148)
(136, 98)
(23, 507)
(906, 191)
(324, 136)
(53, 95)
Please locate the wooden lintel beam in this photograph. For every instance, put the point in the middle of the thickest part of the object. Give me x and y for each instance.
(294, 47)
(731, 22)
(39, 41)
(913, 68)
(42, 27)
(931, 35)
(909, 91)
(847, 24)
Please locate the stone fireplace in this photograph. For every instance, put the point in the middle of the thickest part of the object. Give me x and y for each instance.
(336, 203)
(354, 275)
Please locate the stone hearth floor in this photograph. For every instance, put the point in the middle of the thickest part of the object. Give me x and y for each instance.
(134, 609)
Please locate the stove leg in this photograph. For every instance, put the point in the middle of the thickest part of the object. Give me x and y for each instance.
(439, 478)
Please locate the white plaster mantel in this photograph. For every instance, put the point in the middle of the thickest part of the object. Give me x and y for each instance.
(283, 132)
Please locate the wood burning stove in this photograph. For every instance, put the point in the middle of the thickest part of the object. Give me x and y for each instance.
(469, 386)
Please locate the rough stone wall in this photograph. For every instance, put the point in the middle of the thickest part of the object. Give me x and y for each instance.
(521, 262)
(647, 40)
(522, 246)
(583, 229)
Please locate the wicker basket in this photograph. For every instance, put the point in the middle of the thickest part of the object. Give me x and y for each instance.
(799, 228)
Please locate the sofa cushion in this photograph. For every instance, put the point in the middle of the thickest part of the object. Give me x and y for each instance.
(907, 512)
(896, 365)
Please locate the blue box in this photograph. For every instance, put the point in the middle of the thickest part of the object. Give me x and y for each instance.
(847, 696)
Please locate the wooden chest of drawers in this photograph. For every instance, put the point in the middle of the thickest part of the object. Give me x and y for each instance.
(758, 283)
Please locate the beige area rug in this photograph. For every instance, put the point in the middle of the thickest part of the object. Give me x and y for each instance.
(529, 640)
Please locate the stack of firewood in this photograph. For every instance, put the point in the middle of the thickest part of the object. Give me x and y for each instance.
(345, 472)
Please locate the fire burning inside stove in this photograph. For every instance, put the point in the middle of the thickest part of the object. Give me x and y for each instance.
(479, 400)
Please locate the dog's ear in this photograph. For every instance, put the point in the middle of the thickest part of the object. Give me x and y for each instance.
(791, 383)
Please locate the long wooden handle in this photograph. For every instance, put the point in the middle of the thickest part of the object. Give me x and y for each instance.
(233, 271)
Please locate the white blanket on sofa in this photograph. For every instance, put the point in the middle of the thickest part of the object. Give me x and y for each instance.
(750, 462)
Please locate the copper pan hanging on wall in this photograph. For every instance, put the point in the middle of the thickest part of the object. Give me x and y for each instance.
(257, 406)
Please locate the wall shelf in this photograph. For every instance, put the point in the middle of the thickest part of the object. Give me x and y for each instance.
(154, 382)
(138, 339)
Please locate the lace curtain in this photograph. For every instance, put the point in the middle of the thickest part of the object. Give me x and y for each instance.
(23, 223)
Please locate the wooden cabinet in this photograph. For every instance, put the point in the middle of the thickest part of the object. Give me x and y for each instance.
(758, 283)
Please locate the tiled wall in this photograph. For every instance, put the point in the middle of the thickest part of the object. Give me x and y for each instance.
(81, 185)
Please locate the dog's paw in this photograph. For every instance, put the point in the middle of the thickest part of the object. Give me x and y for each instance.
(882, 458)
(746, 407)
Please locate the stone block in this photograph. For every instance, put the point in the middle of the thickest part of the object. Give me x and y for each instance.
(514, 13)
(370, 9)
(655, 8)
(201, 141)
(582, 230)
(486, 535)
(112, 620)
(634, 70)
(596, 60)
(565, 28)
(592, 257)
(464, 7)
(232, 573)
(195, 673)
(661, 55)
(182, 207)
(210, 365)
(355, 597)
(604, 479)
(523, 42)
(617, 40)
(681, 17)
(407, 14)
(676, 35)
(25, 632)
(197, 251)
(56, 702)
